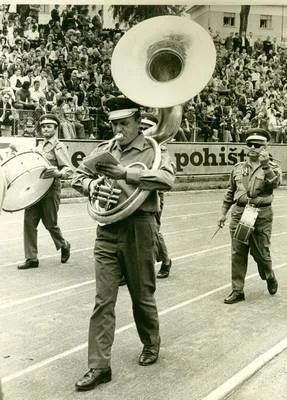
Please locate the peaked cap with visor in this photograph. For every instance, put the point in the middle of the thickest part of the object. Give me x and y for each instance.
(121, 107)
(257, 135)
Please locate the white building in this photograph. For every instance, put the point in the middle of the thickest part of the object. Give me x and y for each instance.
(263, 20)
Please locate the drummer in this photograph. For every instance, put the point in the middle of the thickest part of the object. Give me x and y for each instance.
(251, 184)
(47, 208)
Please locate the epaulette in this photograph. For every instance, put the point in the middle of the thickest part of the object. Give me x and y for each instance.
(59, 145)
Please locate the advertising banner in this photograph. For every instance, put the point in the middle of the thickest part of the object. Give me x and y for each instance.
(193, 158)
(189, 158)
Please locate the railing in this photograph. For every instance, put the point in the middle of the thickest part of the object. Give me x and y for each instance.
(87, 123)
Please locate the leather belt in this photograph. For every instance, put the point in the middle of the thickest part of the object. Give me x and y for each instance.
(141, 213)
(255, 205)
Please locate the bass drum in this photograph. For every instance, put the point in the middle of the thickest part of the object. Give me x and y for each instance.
(3, 188)
(25, 187)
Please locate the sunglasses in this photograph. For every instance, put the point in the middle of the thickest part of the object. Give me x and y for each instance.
(256, 145)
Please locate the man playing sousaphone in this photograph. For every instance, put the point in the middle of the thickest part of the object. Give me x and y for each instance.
(126, 246)
(250, 189)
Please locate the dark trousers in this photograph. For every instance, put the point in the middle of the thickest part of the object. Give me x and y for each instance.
(46, 210)
(128, 247)
(259, 247)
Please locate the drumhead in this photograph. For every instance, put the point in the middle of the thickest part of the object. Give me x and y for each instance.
(3, 188)
(26, 191)
(24, 185)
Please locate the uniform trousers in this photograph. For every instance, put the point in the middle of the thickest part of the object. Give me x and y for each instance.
(161, 249)
(258, 246)
(125, 247)
(46, 210)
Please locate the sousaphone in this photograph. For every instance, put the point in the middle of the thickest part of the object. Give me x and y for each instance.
(160, 63)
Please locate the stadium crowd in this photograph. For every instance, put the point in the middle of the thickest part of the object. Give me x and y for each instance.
(64, 67)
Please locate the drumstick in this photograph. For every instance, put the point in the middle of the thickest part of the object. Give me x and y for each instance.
(217, 230)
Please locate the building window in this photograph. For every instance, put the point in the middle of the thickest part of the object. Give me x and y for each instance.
(266, 21)
(44, 8)
(229, 19)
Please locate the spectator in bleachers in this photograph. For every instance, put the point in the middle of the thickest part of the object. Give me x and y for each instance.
(70, 113)
(23, 99)
(6, 116)
(36, 91)
(267, 45)
(73, 82)
(250, 75)
(67, 129)
(16, 80)
(42, 78)
(55, 14)
(6, 84)
(33, 36)
(50, 95)
(60, 81)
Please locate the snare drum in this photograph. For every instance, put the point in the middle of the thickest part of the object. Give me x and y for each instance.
(24, 185)
(246, 224)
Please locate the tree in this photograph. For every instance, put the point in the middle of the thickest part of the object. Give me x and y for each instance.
(244, 13)
(133, 14)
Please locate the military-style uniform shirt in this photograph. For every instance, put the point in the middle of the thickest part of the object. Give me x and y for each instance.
(138, 153)
(254, 185)
(57, 154)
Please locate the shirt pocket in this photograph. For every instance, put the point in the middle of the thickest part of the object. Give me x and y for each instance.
(257, 186)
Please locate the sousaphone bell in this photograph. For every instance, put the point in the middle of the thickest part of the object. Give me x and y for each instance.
(160, 63)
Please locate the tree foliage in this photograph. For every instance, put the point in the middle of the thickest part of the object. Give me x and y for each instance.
(137, 13)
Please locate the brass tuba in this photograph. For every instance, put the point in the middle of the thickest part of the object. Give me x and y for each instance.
(160, 63)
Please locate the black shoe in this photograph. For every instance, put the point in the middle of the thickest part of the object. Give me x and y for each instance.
(164, 270)
(29, 264)
(272, 285)
(93, 378)
(234, 297)
(150, 353)
(123, 281)
(65, 253)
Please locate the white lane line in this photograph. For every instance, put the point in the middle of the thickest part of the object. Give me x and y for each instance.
(47, 257)
(64, 289)
(90, 248)
(89, 228)
(189, 215)
(124, 328)
(245, 373)
(45, 233)
(46, 294)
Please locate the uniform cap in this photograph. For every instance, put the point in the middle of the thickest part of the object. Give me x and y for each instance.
(121, 107)
(49, 119)
(257, 135)
(148, 120)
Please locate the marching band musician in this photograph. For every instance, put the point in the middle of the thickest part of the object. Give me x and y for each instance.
(250, 189)
(148, 120)
(126, 246)
(47, 208)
